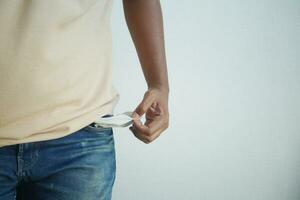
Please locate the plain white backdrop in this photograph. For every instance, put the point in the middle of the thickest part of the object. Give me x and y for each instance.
(234, 74)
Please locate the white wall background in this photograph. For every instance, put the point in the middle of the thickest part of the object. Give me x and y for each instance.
(234, 73)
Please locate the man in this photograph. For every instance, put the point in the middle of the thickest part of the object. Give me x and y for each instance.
(55, 80)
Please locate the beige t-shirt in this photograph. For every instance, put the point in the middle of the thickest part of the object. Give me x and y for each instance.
(55, 68)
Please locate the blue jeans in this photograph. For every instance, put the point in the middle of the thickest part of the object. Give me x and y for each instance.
(79, 166)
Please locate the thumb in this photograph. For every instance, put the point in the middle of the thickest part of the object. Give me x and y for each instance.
(142, 108)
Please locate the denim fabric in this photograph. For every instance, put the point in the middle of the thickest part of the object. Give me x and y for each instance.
(80, 166)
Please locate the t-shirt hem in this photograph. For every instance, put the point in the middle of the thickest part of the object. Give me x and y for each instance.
(74, 125)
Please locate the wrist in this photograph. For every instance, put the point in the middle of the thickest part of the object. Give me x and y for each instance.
(163, 88)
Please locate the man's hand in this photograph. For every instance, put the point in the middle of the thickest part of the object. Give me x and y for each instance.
(155, 105)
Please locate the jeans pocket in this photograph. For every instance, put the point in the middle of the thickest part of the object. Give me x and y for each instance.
(91, 128)
(99, 130)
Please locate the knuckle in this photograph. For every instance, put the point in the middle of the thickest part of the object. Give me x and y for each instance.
(143, 107)
(148, 139)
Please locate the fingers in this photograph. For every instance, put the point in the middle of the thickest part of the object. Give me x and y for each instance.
(152, 113)
(144, 105)
(146, 139)
(139, 136)
(154, 104)
(150, 131)
(156, 134)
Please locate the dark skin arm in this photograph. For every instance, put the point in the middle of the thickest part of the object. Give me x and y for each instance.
(145, 23)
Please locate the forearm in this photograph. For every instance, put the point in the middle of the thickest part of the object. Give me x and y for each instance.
(145, 23)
